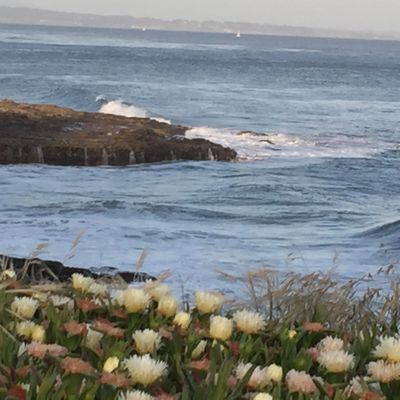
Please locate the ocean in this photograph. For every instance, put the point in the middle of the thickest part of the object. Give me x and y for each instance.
(315, 122)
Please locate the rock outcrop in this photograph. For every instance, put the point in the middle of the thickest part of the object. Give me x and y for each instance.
(47, 134)
(35, 270)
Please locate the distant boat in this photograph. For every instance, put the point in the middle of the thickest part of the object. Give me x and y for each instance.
(144, 29)
(238, 35)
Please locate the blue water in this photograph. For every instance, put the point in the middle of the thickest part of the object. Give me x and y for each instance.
(318, 181)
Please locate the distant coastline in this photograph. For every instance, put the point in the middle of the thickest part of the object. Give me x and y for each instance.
(30, 16)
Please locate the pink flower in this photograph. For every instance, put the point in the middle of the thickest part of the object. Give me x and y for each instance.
(300, 382)
(116, 380)
(313, 327)
(87, 305)
(77, 366)
(313, 353)
(105, 326)
(39, 350)
(202, 365)
(75, 329)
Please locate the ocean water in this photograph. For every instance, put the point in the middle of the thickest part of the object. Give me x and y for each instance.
(316, 123)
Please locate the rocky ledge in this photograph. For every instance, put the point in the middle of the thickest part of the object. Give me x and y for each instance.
(35, 270)
(48, 134)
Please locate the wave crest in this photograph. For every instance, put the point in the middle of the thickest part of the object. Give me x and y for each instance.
(384, 230)
(119, 107)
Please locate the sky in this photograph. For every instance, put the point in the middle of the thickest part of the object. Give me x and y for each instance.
(364, 15)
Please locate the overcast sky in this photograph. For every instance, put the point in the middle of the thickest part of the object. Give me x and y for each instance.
(375, 15)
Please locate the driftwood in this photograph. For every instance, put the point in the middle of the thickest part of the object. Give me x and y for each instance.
(36, 270)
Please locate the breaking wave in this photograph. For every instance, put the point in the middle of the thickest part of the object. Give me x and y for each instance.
(119, 107)
(257, 146)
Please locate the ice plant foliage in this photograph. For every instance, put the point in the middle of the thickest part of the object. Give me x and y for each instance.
(87, 340)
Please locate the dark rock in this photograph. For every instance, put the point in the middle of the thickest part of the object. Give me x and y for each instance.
(48, 134)
(35, 270)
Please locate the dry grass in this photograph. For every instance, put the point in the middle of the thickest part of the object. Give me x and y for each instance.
(293, 298)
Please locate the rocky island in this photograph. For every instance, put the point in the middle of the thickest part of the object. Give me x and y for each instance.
(47, 134)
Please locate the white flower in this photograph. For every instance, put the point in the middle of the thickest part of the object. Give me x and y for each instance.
(384, 372)
(208, 302)
(111, 364)
(81, 283)
(135, 300)
(355, 388)
(24, 328)
(182, 319)
(7, 274)
(98, 290)
(388, 349)
(199, 349)
(144, 370)
(292, 333)
(61, 301)
(147, 341)
(38, 334)
(220, 328)
(119, 297)
(156, 289)
(93, 338)
(25, 307)
(336, 360)
(275, 373)
(29, 330)
(135, 395)
(249, 321)
(330, 344)
(259, 379)
(263, 396)
(300, 382)
(167, 306)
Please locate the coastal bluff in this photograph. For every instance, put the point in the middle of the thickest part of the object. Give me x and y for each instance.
(48, 134)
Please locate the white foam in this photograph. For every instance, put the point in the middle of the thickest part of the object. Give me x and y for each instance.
(296, 50)
(118, 107)
(253, 146)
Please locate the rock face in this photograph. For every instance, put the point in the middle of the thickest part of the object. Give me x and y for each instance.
(35, 270)
(47, 134)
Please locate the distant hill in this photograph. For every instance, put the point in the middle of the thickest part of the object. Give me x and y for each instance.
(14, 15)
